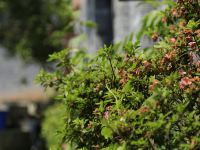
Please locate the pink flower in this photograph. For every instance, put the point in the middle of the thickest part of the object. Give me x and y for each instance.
(184, 82)
(192, 44)
(189, 38)
(181, 72)
(144, 109)
(106, 114)
(155, 82)
(169, 55)
(173, 40)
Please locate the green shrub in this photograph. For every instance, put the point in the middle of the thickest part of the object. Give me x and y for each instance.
(139, 98)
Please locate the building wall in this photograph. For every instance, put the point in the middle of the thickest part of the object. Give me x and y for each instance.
(125, 18)
(17, 80)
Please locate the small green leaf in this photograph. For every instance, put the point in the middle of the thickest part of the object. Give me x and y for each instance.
(89, 24)
(192, 24)
(106, 132)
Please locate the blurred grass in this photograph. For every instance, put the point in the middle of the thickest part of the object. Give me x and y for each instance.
(53, 128)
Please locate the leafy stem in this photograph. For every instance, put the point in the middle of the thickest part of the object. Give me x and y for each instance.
(112, 69)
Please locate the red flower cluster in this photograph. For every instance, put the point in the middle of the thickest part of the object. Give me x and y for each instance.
(147, 64)
(144, 109)
(151, 87)
(184, 82)
(169, 56)
(173, 40)
(123, 75)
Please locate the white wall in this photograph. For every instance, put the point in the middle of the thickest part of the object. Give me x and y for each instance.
(12, 71)
(127, 17)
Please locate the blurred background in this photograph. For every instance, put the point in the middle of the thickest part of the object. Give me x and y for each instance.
(30, 30)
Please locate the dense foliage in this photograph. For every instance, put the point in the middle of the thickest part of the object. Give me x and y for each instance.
(35, 28)
(139, 98)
